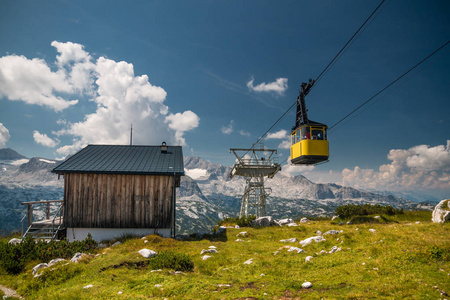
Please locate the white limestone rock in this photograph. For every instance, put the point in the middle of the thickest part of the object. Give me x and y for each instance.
(55, 261)
(299, 250)
(77, 257)
(208, 251)
(335, 249)
(205, 257)
(318, 232)
(304, 220)
(291, 240)
(147, 253)
(14, 241)
(38, 267)
(308, 258)
(285, 221)
(243, 234)
(239, 240)
(372, 230)
(441, 212)
(308, 241)
(334, 218)
(307, 285)
(291, 225)
(333, 232)
(88, 286)
(265, 222)
(248, 262)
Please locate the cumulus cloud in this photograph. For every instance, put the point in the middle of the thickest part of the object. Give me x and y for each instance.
(121, 97)
(281, 135)
(33, 82)
(244, 133)
(228, 129)
(291, 170)
(44, 140)
(4, 136)
(279, 86)
(420, 167)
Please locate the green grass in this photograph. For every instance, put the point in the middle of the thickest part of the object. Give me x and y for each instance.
(401, 260)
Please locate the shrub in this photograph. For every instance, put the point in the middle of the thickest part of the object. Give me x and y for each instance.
(172, 260)
(241, 222)
(350, 210)
(13, 258)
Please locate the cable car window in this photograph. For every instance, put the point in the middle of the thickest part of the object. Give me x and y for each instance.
(325, 130)
(317, 134)
(293, 138)
(305, 134)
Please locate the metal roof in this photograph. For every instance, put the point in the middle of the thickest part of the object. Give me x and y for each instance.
(119, 159)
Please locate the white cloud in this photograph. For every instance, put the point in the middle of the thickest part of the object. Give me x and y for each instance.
(228, 129)
(279, 86)
(44, 140)
(420, 167)
(182, 122)
(4, 136)
(282, 134)
(291, 170)
(286, 144)
(32, 81)
(244, 133)
(122, 99)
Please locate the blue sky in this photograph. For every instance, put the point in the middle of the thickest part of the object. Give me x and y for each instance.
(213, 75)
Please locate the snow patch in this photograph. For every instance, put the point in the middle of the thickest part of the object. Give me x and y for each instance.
(19, 162)
(47, 161)
(196, 173)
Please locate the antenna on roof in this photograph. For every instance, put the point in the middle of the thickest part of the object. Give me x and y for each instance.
(131, 135)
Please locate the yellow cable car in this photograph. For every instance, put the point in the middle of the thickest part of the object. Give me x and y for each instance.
(309, 142)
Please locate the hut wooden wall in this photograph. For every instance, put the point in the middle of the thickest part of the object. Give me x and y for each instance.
(117, 201)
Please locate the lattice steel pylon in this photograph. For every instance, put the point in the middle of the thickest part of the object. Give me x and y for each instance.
(255, 164)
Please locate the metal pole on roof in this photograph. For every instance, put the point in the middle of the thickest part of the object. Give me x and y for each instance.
(131, 135)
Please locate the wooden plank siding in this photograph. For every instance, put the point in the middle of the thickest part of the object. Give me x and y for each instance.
(118, 201)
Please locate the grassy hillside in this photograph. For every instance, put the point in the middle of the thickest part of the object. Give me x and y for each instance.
(400, 260)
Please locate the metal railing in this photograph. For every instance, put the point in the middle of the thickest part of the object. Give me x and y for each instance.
(30, 215)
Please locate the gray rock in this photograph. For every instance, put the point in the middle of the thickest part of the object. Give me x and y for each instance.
(299, 250)
(265, 222)
(441, 212)
(243, 234)
(55, 261)
(147, 253)
(38, 267)
(14, 241)
(349, 223)
(291, 240)
(318, 232)
(307, 285)
(308, 258)
(77, 257)
(116, 244)
(248, 262)
(291, 225)
(208, 251)
(331, 232)
(285, 221)
(335, 249)
(304, 220)
(308, 241)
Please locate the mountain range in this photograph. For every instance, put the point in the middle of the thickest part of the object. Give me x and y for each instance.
(205, 196)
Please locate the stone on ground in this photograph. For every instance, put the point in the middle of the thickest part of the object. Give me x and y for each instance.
(265, 222)
(147, 253)
(307, 285)
(441, 212)
(308, 241)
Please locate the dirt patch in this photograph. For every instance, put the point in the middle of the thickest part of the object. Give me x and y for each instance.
(9, 292)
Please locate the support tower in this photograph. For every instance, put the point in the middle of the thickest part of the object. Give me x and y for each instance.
(254, 165)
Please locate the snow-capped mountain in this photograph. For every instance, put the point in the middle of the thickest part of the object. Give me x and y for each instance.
(206, 194)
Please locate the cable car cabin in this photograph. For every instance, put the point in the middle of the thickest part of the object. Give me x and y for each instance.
(309, 144)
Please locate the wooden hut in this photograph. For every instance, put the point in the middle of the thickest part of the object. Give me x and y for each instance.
(112, 190)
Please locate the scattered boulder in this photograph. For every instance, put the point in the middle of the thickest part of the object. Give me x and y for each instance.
(248, 262)
(349, 223)
(208, 251)
(333, 232)
(292, 224)
(308, 241)
(372, 230)
(14, 241)
(147, 253)
(265, 222)
(77, 257)
(285, 221)
(239, 240)
(38, 267)
(308, 258)
(441, 212)
(55, 261)
(299, 250)
(205, 257)
(88, 286)
(243, 234)
(335, 249)
(307, 285)
(318, 232)
(377, 217)
(334, 218)
(291, 240)
(116, 244)
(237, 226)
(304, 220)
(212, 247)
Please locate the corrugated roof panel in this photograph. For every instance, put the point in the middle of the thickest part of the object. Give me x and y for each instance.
(124, 160)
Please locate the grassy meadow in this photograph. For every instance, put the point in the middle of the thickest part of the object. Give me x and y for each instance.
(407, 257)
